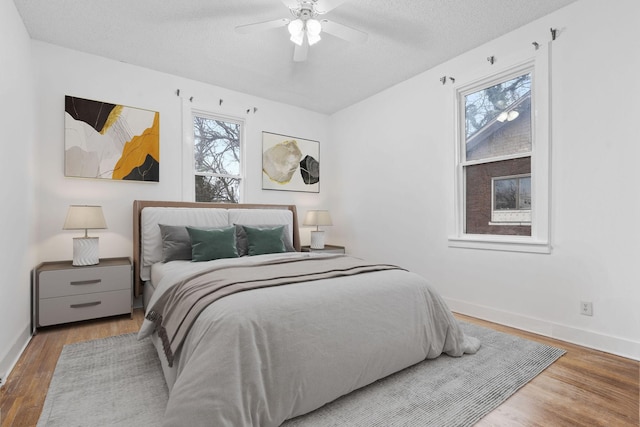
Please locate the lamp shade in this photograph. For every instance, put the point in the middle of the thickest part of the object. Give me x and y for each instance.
(317, 218)
(83, 217)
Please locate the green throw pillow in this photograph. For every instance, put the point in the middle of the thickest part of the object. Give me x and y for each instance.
(242, 244)
(264, 240)
(213, 243)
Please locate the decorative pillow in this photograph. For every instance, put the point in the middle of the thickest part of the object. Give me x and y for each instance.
(176, 243)
(243, 244)
(214, 243)
(264, 240)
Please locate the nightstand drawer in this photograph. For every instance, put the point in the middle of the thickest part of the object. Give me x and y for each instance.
(85, 306)
(85, 280)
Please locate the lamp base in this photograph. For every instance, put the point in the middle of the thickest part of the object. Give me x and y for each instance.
(85, 251)
(317, 240)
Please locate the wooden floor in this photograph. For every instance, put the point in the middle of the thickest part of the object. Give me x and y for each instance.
(583, 388)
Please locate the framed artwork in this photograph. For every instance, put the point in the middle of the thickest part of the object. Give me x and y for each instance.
(290, 164)
(110, 141)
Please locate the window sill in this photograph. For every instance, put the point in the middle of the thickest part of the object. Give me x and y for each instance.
(510, 223)
(500, 243)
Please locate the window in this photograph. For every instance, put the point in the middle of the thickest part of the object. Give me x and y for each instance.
(511, 200)
(217, 158)
(502, 174)
(498, 120)
(497, 143)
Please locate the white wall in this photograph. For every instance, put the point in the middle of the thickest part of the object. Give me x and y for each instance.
(17, 172)
(66, 72)
(394, 155)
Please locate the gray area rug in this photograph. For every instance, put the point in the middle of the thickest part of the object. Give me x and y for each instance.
(118, 381)
(115, 381)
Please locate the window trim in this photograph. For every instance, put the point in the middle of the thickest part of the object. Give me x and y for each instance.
(188, 161)
(540, 239)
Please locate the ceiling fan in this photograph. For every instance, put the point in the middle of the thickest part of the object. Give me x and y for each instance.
(305, 28)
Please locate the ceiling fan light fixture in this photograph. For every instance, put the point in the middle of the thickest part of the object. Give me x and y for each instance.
(313, 38)
(313, 27)
(305, 25)
(298, 38)
(295, 28)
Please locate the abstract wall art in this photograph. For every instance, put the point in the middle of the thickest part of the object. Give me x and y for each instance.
(110, 141)
(290, 164)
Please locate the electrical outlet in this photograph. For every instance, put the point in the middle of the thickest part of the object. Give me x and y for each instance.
(586, 308)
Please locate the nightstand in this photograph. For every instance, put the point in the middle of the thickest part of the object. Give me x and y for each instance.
(65, 293)
(328, 249)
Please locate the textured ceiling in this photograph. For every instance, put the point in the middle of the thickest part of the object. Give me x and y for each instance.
(196, 39)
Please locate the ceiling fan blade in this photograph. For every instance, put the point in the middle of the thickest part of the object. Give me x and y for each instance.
(300, 52)
(324, 6)
(261, 26)
(291, 4)
(344, 32)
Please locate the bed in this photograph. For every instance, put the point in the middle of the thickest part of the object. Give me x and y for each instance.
(272, 334)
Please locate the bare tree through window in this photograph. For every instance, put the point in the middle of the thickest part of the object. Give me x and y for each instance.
(217, 159)
(512, 193)
(485, 105)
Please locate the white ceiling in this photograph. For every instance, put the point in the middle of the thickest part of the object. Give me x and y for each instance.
(196, 39)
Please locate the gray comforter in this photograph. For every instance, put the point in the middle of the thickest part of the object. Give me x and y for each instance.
(259, 357)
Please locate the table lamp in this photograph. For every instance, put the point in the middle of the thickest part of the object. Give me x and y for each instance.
(317, 218)
(83, 217)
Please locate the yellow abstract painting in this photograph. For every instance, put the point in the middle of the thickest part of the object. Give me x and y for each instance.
(111, 141)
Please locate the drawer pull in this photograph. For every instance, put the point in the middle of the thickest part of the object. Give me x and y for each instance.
(85, 282)
(85, 304)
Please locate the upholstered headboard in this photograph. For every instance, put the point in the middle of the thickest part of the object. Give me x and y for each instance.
(145, 235)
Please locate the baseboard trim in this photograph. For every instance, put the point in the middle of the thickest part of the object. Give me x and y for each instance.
(609, 344)
(10, 359)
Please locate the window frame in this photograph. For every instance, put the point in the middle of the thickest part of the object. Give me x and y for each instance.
(540, 239)
(189, 168)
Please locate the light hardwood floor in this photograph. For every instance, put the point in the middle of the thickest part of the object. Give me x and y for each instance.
(583, 388)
